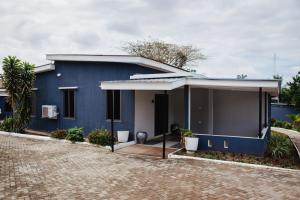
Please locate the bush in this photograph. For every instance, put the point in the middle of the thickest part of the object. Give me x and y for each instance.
(287, 125)
(59, 134)
(278, 124)
(7, 124)
(100, 136)
(75, 135)
(279, 146)
(273, 121)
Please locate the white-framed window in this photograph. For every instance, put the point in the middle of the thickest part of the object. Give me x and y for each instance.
(225, 144)
(209, 143)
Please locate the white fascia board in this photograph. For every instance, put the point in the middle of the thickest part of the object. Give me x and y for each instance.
(44, 68)
(267, 85)
(119, 59)
(163, 75)
(127, 85)
(68, 88)
(233, 83)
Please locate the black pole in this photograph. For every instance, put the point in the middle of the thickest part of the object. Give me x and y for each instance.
(112, 121)
(164, 139)
(265, 109)
(259, 110)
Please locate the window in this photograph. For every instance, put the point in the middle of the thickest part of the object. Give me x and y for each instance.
(225, 144)
(117, 104)
(209, 143)
(69, 105)
(33, 104)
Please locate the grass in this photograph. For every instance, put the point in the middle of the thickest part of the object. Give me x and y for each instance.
(292, 161)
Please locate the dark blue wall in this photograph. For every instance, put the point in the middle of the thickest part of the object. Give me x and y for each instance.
(90, 100)
(3, 114)
(253, 146)
(280, 112)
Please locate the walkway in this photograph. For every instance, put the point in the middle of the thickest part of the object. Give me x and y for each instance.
(56, 170)
(293, 135)
(141, 149)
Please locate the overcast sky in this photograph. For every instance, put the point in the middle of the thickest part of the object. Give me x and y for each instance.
(236, 36)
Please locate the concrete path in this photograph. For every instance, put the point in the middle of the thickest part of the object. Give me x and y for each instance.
(293, 135)
(33, 169)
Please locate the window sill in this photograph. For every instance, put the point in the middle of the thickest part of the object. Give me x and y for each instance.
(69, 118)
(116, 120)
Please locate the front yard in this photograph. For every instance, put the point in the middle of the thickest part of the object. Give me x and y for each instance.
(31, 169)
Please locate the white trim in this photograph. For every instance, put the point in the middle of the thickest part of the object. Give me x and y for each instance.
(270, 86)
(3, 93)
(34, 89)
(264, 131)
(114, 58)
(141, 85)
(164, 75)
(44, 68)
(68, 88)
(174, 156)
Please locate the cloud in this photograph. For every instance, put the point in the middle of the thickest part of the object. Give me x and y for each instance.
(236, 36)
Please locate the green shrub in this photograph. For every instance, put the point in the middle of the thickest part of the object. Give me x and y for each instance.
(7, 124)
(287, 125)
(59, 134)
(75, 135)
(100, 136)
(279, 146)
(273, 121)
(186, 133)
(278, 124)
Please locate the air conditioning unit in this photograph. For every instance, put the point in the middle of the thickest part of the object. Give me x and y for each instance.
(49, 111)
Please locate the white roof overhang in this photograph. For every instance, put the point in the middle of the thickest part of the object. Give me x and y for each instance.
(270, 86)
(115, 58)
(44, 68)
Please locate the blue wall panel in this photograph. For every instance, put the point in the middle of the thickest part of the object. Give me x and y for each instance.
(253, 146)
(90, 100)
(280, 112)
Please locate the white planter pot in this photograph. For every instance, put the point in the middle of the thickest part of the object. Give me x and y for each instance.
(123, 136)
(191, 143)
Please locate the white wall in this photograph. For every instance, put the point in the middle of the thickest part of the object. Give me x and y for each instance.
(235, 113)
(176, 107)
(144, 111)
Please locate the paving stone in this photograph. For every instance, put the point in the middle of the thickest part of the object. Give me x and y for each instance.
(32, 169)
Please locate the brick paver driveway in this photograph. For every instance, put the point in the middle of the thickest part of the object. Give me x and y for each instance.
(55, 170)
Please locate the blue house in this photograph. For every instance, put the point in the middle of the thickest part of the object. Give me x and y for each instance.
(226, 114)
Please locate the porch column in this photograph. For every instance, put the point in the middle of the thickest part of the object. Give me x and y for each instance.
(259, 110)
(112, 121)
(187, 106)
(164, 139)
(266, 106)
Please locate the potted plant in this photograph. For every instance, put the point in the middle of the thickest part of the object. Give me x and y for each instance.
(123, 136)
(190, 141)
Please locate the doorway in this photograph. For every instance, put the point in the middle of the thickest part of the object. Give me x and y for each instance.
(161, 113)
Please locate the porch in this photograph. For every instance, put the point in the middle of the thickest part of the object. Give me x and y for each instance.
(227, 112)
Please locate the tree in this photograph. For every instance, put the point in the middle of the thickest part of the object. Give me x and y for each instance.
(172, 54)
(241, 76)
(18, 79)
(291, 94)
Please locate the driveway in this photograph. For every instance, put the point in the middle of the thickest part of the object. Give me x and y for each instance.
(54, 170)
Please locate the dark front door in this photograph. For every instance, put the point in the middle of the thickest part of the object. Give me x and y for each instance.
(161, 113)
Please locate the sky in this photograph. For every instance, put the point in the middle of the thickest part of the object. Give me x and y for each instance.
(237, 37)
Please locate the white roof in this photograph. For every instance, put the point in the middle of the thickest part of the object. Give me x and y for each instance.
(271, 86)
(113, 58)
